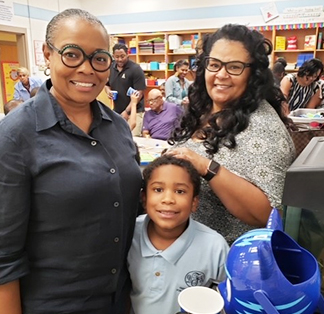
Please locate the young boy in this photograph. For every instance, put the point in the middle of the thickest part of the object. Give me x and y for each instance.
(170, 251)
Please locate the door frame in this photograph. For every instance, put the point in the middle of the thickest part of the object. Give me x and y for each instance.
(22, 49)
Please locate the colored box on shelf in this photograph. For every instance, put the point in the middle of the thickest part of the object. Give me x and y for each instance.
(132, 50)
(174, 41)
(302, 57)
(144, 66)
(280, 43)
(310, 42)
(320, 40)
(154, 65)
(162, 65)
(132, 43)
(171, 66)
(150, 82)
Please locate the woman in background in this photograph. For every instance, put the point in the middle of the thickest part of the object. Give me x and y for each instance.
(300, 88)
(176, 86)
(69, 185)
(233, 132)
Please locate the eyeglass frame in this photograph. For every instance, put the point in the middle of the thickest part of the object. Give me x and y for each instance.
(224, 64)
(85, 56)
(153, 100)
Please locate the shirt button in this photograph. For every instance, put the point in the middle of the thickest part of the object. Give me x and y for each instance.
(116, 239)
(114, 271)
(116, 204)
(157, 274)
(112, 170)
(93, 143)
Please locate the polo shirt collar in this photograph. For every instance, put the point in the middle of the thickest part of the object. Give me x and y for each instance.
(49, 112)
(174, 251)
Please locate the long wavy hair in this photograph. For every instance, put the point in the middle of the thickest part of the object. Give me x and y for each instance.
(222, 127)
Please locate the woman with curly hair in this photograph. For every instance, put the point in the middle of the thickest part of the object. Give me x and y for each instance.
(234, 133)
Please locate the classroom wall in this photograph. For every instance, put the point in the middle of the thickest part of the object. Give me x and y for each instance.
(151, 15)
(168, 15)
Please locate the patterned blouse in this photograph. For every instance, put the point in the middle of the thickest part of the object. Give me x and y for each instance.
(263, 153)
(299, 96)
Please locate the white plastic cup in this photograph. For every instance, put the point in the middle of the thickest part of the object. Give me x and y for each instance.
(114, 94)
(130, 91)
(200, 300)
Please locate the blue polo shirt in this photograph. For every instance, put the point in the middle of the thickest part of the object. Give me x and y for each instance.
(159, 276)
(21, 92)
(67, 206)
(160, 125)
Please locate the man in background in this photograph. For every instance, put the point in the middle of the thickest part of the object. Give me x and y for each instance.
(125, 73)
(25, 85)
(163, 117)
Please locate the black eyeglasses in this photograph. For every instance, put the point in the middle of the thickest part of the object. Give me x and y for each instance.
(73, 56)
(232, 67)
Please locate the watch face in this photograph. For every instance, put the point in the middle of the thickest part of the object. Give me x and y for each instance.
(213, 167)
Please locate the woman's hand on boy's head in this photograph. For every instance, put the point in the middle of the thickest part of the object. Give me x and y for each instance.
(199, 162)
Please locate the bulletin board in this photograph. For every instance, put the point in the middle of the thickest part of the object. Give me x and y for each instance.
(9, 78)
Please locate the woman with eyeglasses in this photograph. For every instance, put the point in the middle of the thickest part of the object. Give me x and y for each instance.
(233, 132)
(301, 89)
(69, 184)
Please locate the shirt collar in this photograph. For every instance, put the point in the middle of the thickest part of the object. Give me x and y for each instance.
(49, 112)
(174, 251)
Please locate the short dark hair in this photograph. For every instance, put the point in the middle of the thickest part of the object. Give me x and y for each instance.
(171, 160)
(180, 63)
(278, 68)
(119, 47)
(11, 104)
(310, 67)
(54, 25)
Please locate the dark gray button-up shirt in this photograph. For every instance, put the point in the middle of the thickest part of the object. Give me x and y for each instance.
(65, 197)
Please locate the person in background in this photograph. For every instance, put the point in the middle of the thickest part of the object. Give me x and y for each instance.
(124, 74)
(11, 104)
(234, 133)
(26, 84)
(162, 89)
(278, 71)
(300, 88)
(131, 118)
(70, 184)
(170, 251)
(176, 86)
(163, 117)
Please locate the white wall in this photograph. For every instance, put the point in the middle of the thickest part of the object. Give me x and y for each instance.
(151, 15)
(157, 15)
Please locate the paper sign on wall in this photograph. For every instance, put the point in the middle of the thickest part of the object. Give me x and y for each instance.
(269, 12)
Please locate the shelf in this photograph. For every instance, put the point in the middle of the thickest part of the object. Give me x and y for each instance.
(296, 50)
(181, 53)
(150, 54)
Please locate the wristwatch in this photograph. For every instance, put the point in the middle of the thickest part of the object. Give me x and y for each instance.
(212, 170)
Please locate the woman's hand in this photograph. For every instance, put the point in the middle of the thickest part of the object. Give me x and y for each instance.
(199, 162)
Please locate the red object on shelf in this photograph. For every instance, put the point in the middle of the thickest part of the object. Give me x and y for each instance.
(150, 82)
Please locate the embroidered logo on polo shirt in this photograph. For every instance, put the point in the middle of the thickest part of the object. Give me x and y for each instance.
(195, 278)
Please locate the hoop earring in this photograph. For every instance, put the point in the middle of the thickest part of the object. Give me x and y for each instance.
(47, 71)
